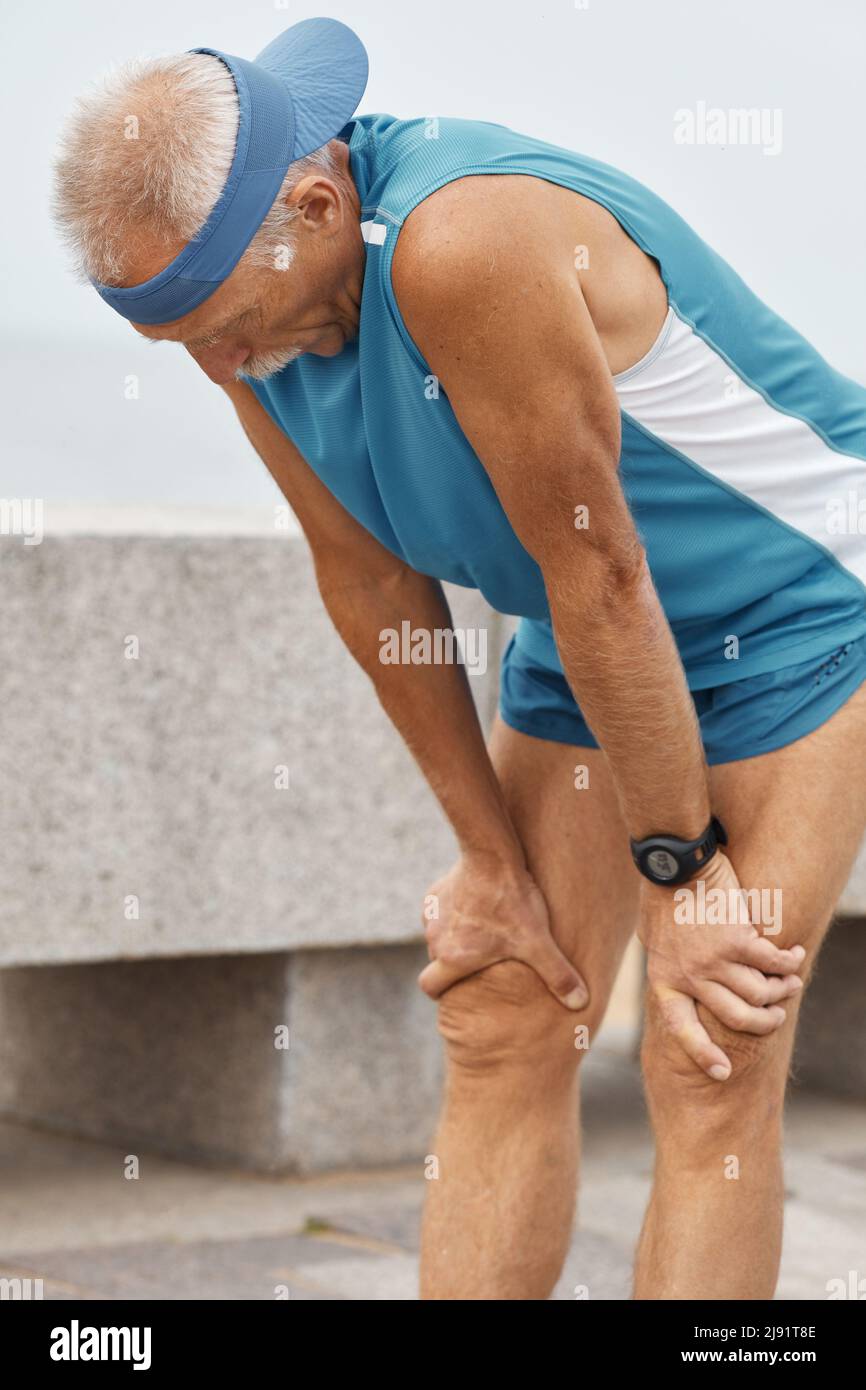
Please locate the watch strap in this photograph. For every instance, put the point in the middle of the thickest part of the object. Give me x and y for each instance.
(667, 859)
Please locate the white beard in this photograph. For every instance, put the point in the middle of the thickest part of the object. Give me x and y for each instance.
(265, 364)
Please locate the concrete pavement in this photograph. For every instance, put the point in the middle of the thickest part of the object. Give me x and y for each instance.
(68, 1214)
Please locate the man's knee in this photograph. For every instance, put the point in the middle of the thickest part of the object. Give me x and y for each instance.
(687, 1102)
(506, 1016)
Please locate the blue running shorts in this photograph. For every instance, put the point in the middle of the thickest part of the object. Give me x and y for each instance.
(740, 719)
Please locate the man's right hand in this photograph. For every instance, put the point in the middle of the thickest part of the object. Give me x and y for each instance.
(487, 910)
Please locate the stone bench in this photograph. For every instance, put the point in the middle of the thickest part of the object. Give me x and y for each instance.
(214, 845)
(209, 834)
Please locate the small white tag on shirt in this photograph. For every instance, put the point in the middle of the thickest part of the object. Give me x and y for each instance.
(374, 232)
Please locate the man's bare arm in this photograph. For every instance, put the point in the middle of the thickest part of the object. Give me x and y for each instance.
(494, 304)
(366, 589)
(488, 293)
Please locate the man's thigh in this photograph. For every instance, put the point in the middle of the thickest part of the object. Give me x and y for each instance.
(795, 820)
(796, 817)
(565, 809)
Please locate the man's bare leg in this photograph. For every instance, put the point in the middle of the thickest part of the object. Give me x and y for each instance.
(498, 1219)
(713, 1226)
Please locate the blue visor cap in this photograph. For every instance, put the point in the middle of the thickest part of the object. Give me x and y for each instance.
(297, 95)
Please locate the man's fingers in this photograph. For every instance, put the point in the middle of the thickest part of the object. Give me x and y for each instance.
(756, 987)
(544, 957)
(735, 1013)
(759, 951)
(681, 1019)
(436, 977)
(557, 972)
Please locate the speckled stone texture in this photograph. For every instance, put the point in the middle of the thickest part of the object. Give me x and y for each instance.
(831, 1043)
(143, 831)
(181, 1057)
(853, 900)
(148, 786)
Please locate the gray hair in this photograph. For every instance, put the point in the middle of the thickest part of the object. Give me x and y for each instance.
(145, 154)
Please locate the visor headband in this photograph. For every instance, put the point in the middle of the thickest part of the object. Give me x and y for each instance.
(263, 153)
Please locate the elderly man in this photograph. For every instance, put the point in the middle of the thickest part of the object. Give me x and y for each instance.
(543, 384)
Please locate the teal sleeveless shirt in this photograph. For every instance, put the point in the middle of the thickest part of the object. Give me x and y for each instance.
(737, 441)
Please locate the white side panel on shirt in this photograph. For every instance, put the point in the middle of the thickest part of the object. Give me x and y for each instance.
(687, 395)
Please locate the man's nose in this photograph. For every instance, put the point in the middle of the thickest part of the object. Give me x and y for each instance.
(221, 362)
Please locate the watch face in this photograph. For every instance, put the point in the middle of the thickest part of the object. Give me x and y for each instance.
(662, 864)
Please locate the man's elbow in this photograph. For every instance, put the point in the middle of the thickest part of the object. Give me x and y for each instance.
(599, 578)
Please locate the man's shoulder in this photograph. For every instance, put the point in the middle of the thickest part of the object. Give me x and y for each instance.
(472, 229)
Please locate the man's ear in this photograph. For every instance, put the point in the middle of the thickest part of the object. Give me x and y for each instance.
(317, 201)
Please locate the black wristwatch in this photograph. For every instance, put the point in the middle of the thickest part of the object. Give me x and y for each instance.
(666, 859)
